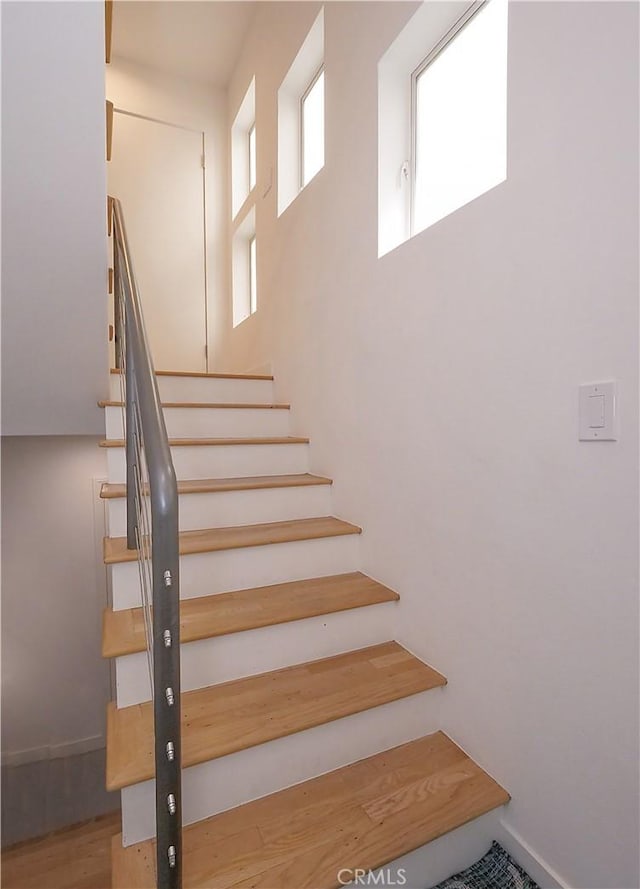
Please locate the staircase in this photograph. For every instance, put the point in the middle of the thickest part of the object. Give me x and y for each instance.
(310, 737)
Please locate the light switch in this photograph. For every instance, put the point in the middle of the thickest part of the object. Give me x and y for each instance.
(598, 412)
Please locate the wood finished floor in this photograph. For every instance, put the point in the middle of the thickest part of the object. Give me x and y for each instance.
(74, 858)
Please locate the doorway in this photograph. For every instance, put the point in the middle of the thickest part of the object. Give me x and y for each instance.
(157, 172)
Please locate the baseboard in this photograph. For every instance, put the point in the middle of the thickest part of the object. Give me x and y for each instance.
(11, 759)
(544, 875)
(43, 795)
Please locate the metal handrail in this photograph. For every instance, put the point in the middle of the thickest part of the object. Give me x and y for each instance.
(147, 443)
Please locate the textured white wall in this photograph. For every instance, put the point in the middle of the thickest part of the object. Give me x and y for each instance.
(54, 249)
(199, 106)
(439, 385)
(55, 684)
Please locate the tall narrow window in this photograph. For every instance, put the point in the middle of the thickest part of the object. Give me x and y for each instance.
(312, 129)
(243, 151)
(460, 112)
(252, 157)
(253, 277)
(301, 117)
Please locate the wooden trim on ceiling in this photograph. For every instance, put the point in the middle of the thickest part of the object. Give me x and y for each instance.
(108, 29)
(109, 128)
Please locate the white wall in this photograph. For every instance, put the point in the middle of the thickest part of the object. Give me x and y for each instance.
(439, 385)
(54, 259)
(55, 684)
(199, 106)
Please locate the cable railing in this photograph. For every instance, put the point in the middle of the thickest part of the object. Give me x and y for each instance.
(152, 530)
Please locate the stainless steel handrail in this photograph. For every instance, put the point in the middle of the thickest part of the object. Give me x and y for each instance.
(147, 443)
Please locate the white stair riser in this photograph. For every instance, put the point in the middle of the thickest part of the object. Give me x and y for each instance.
(232, 508)
(224, 461)
(221, 784)
(205, 574)
(206, 389)
(203, 422)
(220, 659)
(436, 861)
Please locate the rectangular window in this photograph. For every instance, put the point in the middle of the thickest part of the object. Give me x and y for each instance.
(459, 115)
(252, 157)
(312, 129)
(243, 150)
(253, 277)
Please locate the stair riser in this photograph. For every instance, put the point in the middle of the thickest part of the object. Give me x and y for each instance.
(204, 574)
(232, 780)
(206, 389)
(211, 661)
(224, 510)
(436, 861)
(211, 422)
(224, 461)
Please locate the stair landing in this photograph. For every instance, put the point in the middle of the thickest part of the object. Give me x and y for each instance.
(360, 816)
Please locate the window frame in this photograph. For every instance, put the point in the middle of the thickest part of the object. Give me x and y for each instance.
(314, 80)
(252, 254)
(445, 41)
(252, 157)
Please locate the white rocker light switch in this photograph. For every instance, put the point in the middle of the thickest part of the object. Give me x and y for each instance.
(598, 411)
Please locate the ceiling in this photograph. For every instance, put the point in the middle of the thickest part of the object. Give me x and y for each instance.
(196, 39)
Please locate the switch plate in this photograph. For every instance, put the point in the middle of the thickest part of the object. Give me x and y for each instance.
(598, 412)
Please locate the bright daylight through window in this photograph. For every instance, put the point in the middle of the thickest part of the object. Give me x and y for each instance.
(312, 129)
(253, 277)
(252, 157)
(460, 110)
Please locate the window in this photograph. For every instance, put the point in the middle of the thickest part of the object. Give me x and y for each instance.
(301, 117)
(244, 165)
(459, 110)
(243, 151)
(253, 277)
(442, 112)
(244, 268)
(252, 157)
(312, 129)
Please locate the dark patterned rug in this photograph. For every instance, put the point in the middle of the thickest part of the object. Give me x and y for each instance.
(496, 870)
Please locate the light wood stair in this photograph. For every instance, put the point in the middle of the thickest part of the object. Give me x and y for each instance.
(210, 540)
(225, 613)
(208, 404)
(236, 715)
(217, 442)
(360, 816)
(201, 374)
(220, 485)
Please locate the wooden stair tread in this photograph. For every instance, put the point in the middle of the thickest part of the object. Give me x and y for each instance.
(360, 816)
(213, 442)
(111, 491)
(236, 715)
(209, 540)
(208, 616)
(210, 405)
(212, 376)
